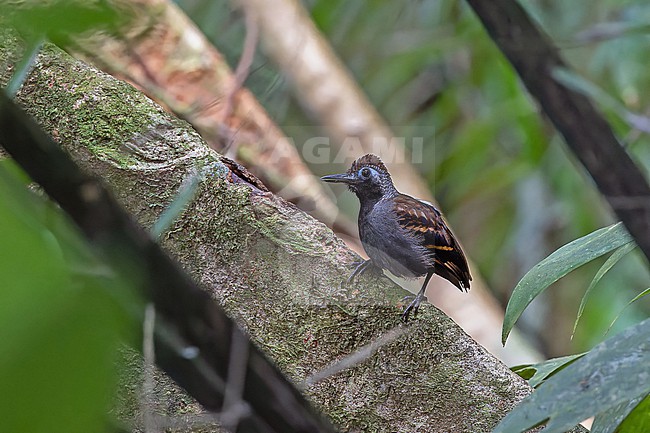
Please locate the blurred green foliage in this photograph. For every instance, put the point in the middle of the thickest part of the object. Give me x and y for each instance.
(61, 318)
(63, 313)
(501, 173)
(58, 20)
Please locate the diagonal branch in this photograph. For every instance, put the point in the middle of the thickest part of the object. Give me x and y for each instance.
(169, 57)
(195, 320)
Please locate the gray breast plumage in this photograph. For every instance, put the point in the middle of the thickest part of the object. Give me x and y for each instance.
(389, 246)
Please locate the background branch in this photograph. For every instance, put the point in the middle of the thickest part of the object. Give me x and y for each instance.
(585, 130)
(167, 57)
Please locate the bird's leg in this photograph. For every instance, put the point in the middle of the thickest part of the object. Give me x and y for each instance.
(415, 304)
(360, 269)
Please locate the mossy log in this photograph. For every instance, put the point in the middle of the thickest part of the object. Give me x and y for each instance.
(271, 266)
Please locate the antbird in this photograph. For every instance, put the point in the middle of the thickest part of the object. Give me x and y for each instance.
(404, 235)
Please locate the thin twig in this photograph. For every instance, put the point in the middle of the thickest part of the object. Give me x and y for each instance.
(148, 383)
(234, 407)
(188, 422)
(359, 356)
(245, 62)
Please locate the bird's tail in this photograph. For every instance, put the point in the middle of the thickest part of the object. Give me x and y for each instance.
(450, 271)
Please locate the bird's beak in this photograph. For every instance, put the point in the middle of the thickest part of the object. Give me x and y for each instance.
(346, 178)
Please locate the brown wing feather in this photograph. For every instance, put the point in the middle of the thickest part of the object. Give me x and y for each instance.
(422, 218)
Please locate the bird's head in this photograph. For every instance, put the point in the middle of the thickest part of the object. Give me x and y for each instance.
(368, 178)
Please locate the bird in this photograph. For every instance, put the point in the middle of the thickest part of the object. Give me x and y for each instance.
(401, 234)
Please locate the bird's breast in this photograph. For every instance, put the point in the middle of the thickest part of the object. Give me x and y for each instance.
(388, 246)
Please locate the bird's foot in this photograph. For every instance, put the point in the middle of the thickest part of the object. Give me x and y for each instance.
(412, 297)
(357, 263)
(413, 306)
(361, 267)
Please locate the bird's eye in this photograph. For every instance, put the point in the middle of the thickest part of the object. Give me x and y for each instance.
(365, 172)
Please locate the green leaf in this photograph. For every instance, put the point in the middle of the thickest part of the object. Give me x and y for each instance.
(609, 420)
(185, 195)
(24, 67)
(575, 82)
(638, 421)
(613, 372)
(59, 20)
(535, 374)
(636, 298)
(609, 263)
(59, 337)
(557, 265)
(525, 371)
(580, 84)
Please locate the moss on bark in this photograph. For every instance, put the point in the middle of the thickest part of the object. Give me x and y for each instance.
(274, 268)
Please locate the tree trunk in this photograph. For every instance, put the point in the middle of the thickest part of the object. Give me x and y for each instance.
(272, 267)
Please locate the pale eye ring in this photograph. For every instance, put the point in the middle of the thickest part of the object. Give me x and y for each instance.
(365, 172)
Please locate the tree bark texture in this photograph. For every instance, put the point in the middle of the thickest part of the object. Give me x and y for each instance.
(271, 266)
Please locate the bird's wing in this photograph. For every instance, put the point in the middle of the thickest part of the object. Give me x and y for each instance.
(422, 218)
